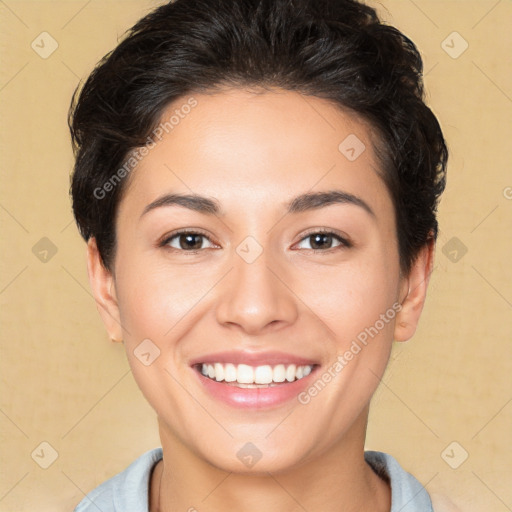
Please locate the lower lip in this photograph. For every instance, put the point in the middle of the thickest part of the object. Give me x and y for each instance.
(255, 398)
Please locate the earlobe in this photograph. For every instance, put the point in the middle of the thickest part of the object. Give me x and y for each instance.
(415, 284)
(103, 288)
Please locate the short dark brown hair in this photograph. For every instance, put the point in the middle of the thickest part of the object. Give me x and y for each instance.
(338, 50)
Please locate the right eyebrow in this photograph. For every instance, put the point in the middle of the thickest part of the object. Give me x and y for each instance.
(315, 200)
(194, 202)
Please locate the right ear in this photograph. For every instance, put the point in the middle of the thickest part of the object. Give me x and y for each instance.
(103, 288)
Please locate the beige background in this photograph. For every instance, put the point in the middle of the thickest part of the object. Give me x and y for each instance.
(65, 384)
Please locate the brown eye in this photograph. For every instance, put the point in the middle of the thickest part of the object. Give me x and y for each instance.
(186, 241)
(190, 241)
(324, 240)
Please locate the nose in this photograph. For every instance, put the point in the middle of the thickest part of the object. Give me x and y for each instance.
(256, 296)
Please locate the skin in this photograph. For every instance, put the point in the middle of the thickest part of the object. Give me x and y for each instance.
(253, 153)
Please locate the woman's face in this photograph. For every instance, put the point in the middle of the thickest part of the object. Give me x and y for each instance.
(257, 284)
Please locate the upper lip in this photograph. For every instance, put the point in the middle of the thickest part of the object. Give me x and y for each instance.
(253, 358)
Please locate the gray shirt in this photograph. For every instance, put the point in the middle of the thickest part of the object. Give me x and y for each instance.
(128, 491)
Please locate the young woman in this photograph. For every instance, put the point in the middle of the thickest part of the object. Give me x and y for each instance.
(257, 182)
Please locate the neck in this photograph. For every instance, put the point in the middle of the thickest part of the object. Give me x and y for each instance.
(337, 480)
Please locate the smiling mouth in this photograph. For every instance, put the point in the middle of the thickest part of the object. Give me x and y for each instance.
(246, 376)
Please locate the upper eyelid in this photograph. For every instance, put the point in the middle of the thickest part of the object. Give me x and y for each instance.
(196, 231)
(326, 231)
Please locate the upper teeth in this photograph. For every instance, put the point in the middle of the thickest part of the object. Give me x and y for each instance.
(245, 374)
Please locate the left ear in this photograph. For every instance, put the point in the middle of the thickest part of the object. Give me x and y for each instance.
(414, 288)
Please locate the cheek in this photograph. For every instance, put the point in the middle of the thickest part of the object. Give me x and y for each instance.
(153, 303)
(353, 296)
(153, 299)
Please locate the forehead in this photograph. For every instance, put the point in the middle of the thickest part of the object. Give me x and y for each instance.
(254, 149)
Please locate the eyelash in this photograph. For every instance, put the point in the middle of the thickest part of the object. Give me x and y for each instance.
(344, 243)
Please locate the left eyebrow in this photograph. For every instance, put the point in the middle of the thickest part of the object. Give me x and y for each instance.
(315, 200)
(299, 204)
